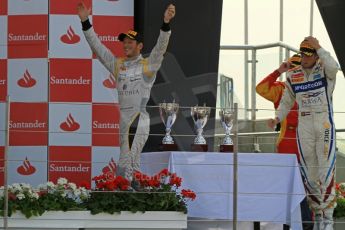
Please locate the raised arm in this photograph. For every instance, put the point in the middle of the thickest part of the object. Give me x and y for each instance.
(156, 56)
(270, 88)
(105, 56)
(287, 99)
(329, 63)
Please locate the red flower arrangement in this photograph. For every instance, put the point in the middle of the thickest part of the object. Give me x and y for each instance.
(160, 192)
(339, 211)
(110, 182)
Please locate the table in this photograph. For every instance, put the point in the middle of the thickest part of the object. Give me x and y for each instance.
(270, 186)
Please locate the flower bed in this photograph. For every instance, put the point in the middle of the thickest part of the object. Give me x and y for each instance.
(112, 194)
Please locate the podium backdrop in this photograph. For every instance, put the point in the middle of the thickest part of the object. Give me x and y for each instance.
(64, 113)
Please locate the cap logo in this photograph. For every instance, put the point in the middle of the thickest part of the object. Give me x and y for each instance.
(131, 32)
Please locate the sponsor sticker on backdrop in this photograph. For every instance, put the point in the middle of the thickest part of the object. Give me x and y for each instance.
(29, 41)
(28, 82)
(70, 80)
(110, 82)
(26, 168)
(28, 124)
(70, 162)
(70, 37)
(27, 164)
(70, 124)
(66, 38)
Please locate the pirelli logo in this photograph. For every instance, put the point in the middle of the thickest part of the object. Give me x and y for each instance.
(309, 86)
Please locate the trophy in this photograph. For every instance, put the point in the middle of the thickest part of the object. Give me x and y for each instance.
(226, 119)
(200, 116)
(168, 113)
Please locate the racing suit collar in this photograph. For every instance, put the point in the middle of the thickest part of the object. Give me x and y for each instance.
(134, 60)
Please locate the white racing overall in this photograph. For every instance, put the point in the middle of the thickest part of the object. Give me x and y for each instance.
(316, 131)
(134, 80)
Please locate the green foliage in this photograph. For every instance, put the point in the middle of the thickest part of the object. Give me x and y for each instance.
(339, 211)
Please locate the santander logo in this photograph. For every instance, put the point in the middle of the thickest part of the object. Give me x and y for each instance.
(70, 124)
(26, 168)
(26, 81)
(110, 168)
(70, 37)
(109, 82)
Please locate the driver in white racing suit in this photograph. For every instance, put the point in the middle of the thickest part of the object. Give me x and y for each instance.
(135, 76)
(311, 85)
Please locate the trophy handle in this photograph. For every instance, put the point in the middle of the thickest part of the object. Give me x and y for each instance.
(161, 115)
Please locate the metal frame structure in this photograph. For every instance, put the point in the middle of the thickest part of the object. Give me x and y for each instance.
(253, 62)
(280, 38)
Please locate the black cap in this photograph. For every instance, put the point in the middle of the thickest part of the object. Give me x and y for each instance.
(131, 34)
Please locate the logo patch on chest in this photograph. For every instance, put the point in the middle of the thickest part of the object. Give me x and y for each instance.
(297, 75)
(317, 76)
(297, 80)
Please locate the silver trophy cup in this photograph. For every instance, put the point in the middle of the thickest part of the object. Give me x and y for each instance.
(168, 113)
(226, 119)
(200, 116)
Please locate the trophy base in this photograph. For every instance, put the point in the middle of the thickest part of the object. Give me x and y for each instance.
(167, 147)
(199, 148)
(226, 148)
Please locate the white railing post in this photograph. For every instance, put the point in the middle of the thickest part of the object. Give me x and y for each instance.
(7, 139)
(235, 169)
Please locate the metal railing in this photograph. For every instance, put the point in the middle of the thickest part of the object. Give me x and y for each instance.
(253, 62)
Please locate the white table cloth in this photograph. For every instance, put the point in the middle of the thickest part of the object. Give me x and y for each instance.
(270, 187)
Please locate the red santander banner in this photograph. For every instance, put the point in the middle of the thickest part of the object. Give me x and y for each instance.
(64, 108)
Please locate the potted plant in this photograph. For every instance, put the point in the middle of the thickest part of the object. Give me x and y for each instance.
(148, 202)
